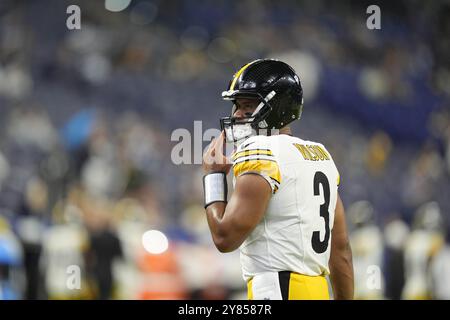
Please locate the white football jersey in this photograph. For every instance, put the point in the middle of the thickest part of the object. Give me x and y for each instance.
(295, 232)
(421, 246)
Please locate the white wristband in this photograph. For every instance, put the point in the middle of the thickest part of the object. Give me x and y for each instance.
(215, 187)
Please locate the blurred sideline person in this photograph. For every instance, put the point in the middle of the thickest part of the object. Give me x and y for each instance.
(424, 242)
(366, 241)
(440, 273)
(63, 254)
(396, 233)
(11, 264)
(104, 247)
(285, 213)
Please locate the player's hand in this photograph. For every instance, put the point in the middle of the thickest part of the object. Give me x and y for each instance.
(214, 160)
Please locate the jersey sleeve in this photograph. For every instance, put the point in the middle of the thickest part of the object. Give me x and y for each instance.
(257, 157)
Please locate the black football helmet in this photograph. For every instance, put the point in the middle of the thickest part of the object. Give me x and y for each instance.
(277, 88)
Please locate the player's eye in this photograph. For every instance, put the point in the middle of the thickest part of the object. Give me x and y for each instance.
(248, 109)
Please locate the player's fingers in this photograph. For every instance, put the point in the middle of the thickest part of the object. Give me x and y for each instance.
(210, 149)
(212, 144)
(219, 143)
(209, 155)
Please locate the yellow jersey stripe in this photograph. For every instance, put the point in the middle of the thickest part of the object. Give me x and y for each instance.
(252, 152)
(245, 159)
(265, 167)
(253, 158)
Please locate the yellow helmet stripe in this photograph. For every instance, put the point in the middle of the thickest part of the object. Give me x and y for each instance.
(237, 74)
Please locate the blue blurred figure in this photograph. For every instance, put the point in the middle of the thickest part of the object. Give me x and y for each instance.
(10, 263)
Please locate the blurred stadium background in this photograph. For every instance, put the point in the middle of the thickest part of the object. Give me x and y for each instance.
(87, 116)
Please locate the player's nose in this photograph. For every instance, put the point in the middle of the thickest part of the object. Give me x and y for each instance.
(239, 113)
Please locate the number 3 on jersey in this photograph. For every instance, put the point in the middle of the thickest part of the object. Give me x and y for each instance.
(321, 179)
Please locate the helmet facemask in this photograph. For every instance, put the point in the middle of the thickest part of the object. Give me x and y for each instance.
(239, 128)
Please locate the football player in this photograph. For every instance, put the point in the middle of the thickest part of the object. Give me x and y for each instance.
(422, 246)
(285, 213)
(367, 245)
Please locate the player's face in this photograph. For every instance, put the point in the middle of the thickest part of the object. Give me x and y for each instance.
(245, 107)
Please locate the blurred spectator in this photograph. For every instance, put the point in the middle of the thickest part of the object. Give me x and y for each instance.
(103, 249)
(366, 241)
(88, 114)
(440, 273)
(11, 263)
(395, 236)
(422, 245)
(63, 248)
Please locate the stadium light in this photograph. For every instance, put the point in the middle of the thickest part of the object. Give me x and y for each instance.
(155, 242)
